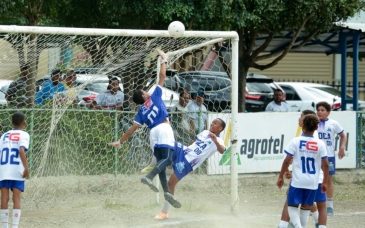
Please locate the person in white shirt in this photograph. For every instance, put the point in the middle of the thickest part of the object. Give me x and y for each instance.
(187, 159)
(113, 98)
(320, 215)
(13, 167)
(197, 121)
(309, 157)
(277, 105)
(328, 129)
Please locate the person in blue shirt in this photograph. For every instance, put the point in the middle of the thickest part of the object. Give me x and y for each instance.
(154, 114)
(50, 88)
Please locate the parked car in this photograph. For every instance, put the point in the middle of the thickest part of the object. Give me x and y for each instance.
(4, 85)
(172, 82)
(301, 96)
(2, 98)
(217, 86)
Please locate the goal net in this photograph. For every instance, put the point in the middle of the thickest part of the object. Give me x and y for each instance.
(70, 163)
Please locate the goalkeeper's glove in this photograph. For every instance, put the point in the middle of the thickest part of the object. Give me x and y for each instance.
(116, 144)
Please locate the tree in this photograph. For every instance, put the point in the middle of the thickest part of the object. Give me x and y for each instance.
(253, 18)
(25, 12)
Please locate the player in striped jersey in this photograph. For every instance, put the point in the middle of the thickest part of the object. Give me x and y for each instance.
(327, 131)
(13, 167)
(309, 156)
(187, 159)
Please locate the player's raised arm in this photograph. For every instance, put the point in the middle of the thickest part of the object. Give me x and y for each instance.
(162, 73)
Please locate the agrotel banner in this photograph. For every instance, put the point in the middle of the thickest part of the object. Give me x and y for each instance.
(262, 138)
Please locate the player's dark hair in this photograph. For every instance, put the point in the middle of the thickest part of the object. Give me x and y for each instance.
(308, 111)
(137, 97)
(325, 105)
(18, 118)
(310, 122)
(223, 124)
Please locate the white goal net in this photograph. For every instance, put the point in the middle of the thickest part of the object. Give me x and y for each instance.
(71, 165)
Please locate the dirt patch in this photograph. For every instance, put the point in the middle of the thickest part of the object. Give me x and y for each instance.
(122, 201)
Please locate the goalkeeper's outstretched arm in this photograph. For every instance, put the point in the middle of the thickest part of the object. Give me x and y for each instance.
(162, 74)
(125, 136)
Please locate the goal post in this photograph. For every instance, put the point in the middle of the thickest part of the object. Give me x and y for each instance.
(126, 53)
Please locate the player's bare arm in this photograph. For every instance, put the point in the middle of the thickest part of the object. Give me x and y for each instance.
(125, 136)
(214, 139)
(341, 152)
(23, 158)
(325, 169)
(284, 168)
(162, 74)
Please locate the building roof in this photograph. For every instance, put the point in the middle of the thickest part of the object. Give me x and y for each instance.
(327, 43)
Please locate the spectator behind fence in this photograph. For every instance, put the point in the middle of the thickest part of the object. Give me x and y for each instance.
(69, 83)
(15, 95)
(50, 88)
(113, 98)
(196, 118)
(277, 105)
(180, 119)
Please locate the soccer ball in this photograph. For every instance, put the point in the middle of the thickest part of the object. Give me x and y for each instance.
(176, 29)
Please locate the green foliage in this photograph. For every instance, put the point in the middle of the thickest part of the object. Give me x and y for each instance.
(77, 145)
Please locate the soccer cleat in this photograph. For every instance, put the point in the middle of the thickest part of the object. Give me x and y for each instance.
(147, 169)
(290, 225)
(330, 211)
(161, 216)
(171, 199)
(148, 181)
(317, 226)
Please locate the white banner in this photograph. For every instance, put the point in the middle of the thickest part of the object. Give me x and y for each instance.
(262, 138)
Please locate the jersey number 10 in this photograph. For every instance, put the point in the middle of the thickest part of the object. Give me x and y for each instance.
(12, 154)
(308, 165)
(153, 114)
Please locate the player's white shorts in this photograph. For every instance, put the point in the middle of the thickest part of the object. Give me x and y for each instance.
(162, 136)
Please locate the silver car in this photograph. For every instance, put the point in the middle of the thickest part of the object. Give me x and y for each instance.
(301, 96)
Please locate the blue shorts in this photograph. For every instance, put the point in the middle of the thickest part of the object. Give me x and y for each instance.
(332, 167)
(320, 196)
(298, 196)
(10, 184)
(179, 163)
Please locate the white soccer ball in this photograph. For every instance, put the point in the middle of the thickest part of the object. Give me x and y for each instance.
(176, 29)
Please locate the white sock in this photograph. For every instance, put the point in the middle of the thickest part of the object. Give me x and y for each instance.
(329, 202)
(283, 224)
(322, 226)
(294, 216)
(304, 215)
(315, 216)
(16, 217)
(4, 218)
(153, 161)
(166, 206)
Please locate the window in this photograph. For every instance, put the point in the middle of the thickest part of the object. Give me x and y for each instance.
(291, 95)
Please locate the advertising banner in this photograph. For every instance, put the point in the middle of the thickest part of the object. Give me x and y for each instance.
(262, 138)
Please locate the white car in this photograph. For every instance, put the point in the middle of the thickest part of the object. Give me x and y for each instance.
(301, 96)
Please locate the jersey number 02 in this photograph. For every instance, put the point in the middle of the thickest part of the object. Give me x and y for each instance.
(11, 155)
